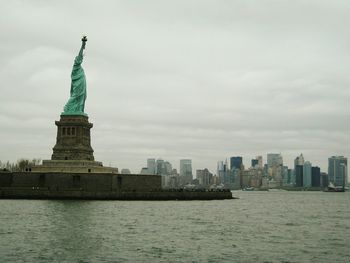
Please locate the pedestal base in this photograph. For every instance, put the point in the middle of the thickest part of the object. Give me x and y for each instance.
(73, 140)
(72, 166)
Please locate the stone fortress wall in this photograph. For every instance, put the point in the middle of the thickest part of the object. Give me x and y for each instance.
(81, 181)
(100, 186)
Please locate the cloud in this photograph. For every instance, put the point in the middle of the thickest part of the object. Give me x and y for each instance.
(204, 80)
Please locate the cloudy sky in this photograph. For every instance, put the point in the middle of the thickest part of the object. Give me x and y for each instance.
(203, 80)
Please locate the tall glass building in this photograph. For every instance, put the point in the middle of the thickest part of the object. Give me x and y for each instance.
(299, 169)
(186, 170)
(316, 176)
(236, 162)
(160, 167)
(307, 174)
(255, 162)
(338, 170)
(151, 166)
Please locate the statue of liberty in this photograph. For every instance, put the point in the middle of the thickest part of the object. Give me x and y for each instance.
(76, 102)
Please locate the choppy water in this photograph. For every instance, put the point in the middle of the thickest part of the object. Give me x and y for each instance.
(259, 227)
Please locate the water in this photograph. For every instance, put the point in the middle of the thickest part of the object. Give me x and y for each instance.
(259, 227)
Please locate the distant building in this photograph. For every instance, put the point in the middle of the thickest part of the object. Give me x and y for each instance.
(246, 176)
(160, 167)
(168, 167)
(216, 180)
(266, 170)
(276, 173)
(151, 166)
(221, 170)
(274, 159)
(315, 176)
(324, 179)
(219, 167)
(172, 180)
(229, 178)
(338, 170)
(265, 182)
(186, 171)
(186, 167)
(144, 170)
(299, 175)
(251, 177)
(164, 168)
(256, 177)
(285, 176)
(260, 161)
(299, 160)
(125, 171)
(298, 170)
(307, 174)
(205, 178)
(275, 168)
(236, 162)
(291, 177)
(255, 162)
(236, 179)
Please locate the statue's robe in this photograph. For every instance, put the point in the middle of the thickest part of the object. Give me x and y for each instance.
(76, 102)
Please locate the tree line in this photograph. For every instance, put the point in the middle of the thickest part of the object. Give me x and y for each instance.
(20, 165)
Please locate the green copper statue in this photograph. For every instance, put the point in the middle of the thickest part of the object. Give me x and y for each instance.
(76, 102)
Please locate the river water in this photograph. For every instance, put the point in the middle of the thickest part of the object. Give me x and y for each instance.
(259, 227)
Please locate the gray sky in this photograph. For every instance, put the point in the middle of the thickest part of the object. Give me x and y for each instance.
(203, 80)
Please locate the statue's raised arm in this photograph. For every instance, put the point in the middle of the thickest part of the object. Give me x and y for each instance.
(83, 44)
(80, 56)
(76, 102)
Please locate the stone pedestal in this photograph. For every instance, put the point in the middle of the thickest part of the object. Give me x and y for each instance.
(73, 140)
(72, 152)
(73, 166)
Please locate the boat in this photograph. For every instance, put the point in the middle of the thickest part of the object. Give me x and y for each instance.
(248, 189)
(332, 188)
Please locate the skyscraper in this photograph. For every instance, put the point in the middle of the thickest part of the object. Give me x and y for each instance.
(285, 177)
(299, 175)
(219, 167)
(298, 170)
(315, 176)
(260, 161)
(236, 162)
(299, 160)
(338, 170)
(225, 175)
(151, 166)
(307, 174)
(324, 179)
(186, 170)
(168, 167)
(204, 177)
(255, 162)
(274, 159)
(160, 167)
(275, 167)
(291, 177)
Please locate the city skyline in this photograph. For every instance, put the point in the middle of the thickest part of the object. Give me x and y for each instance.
(247, 163)
(234, 175)
(180, 80)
